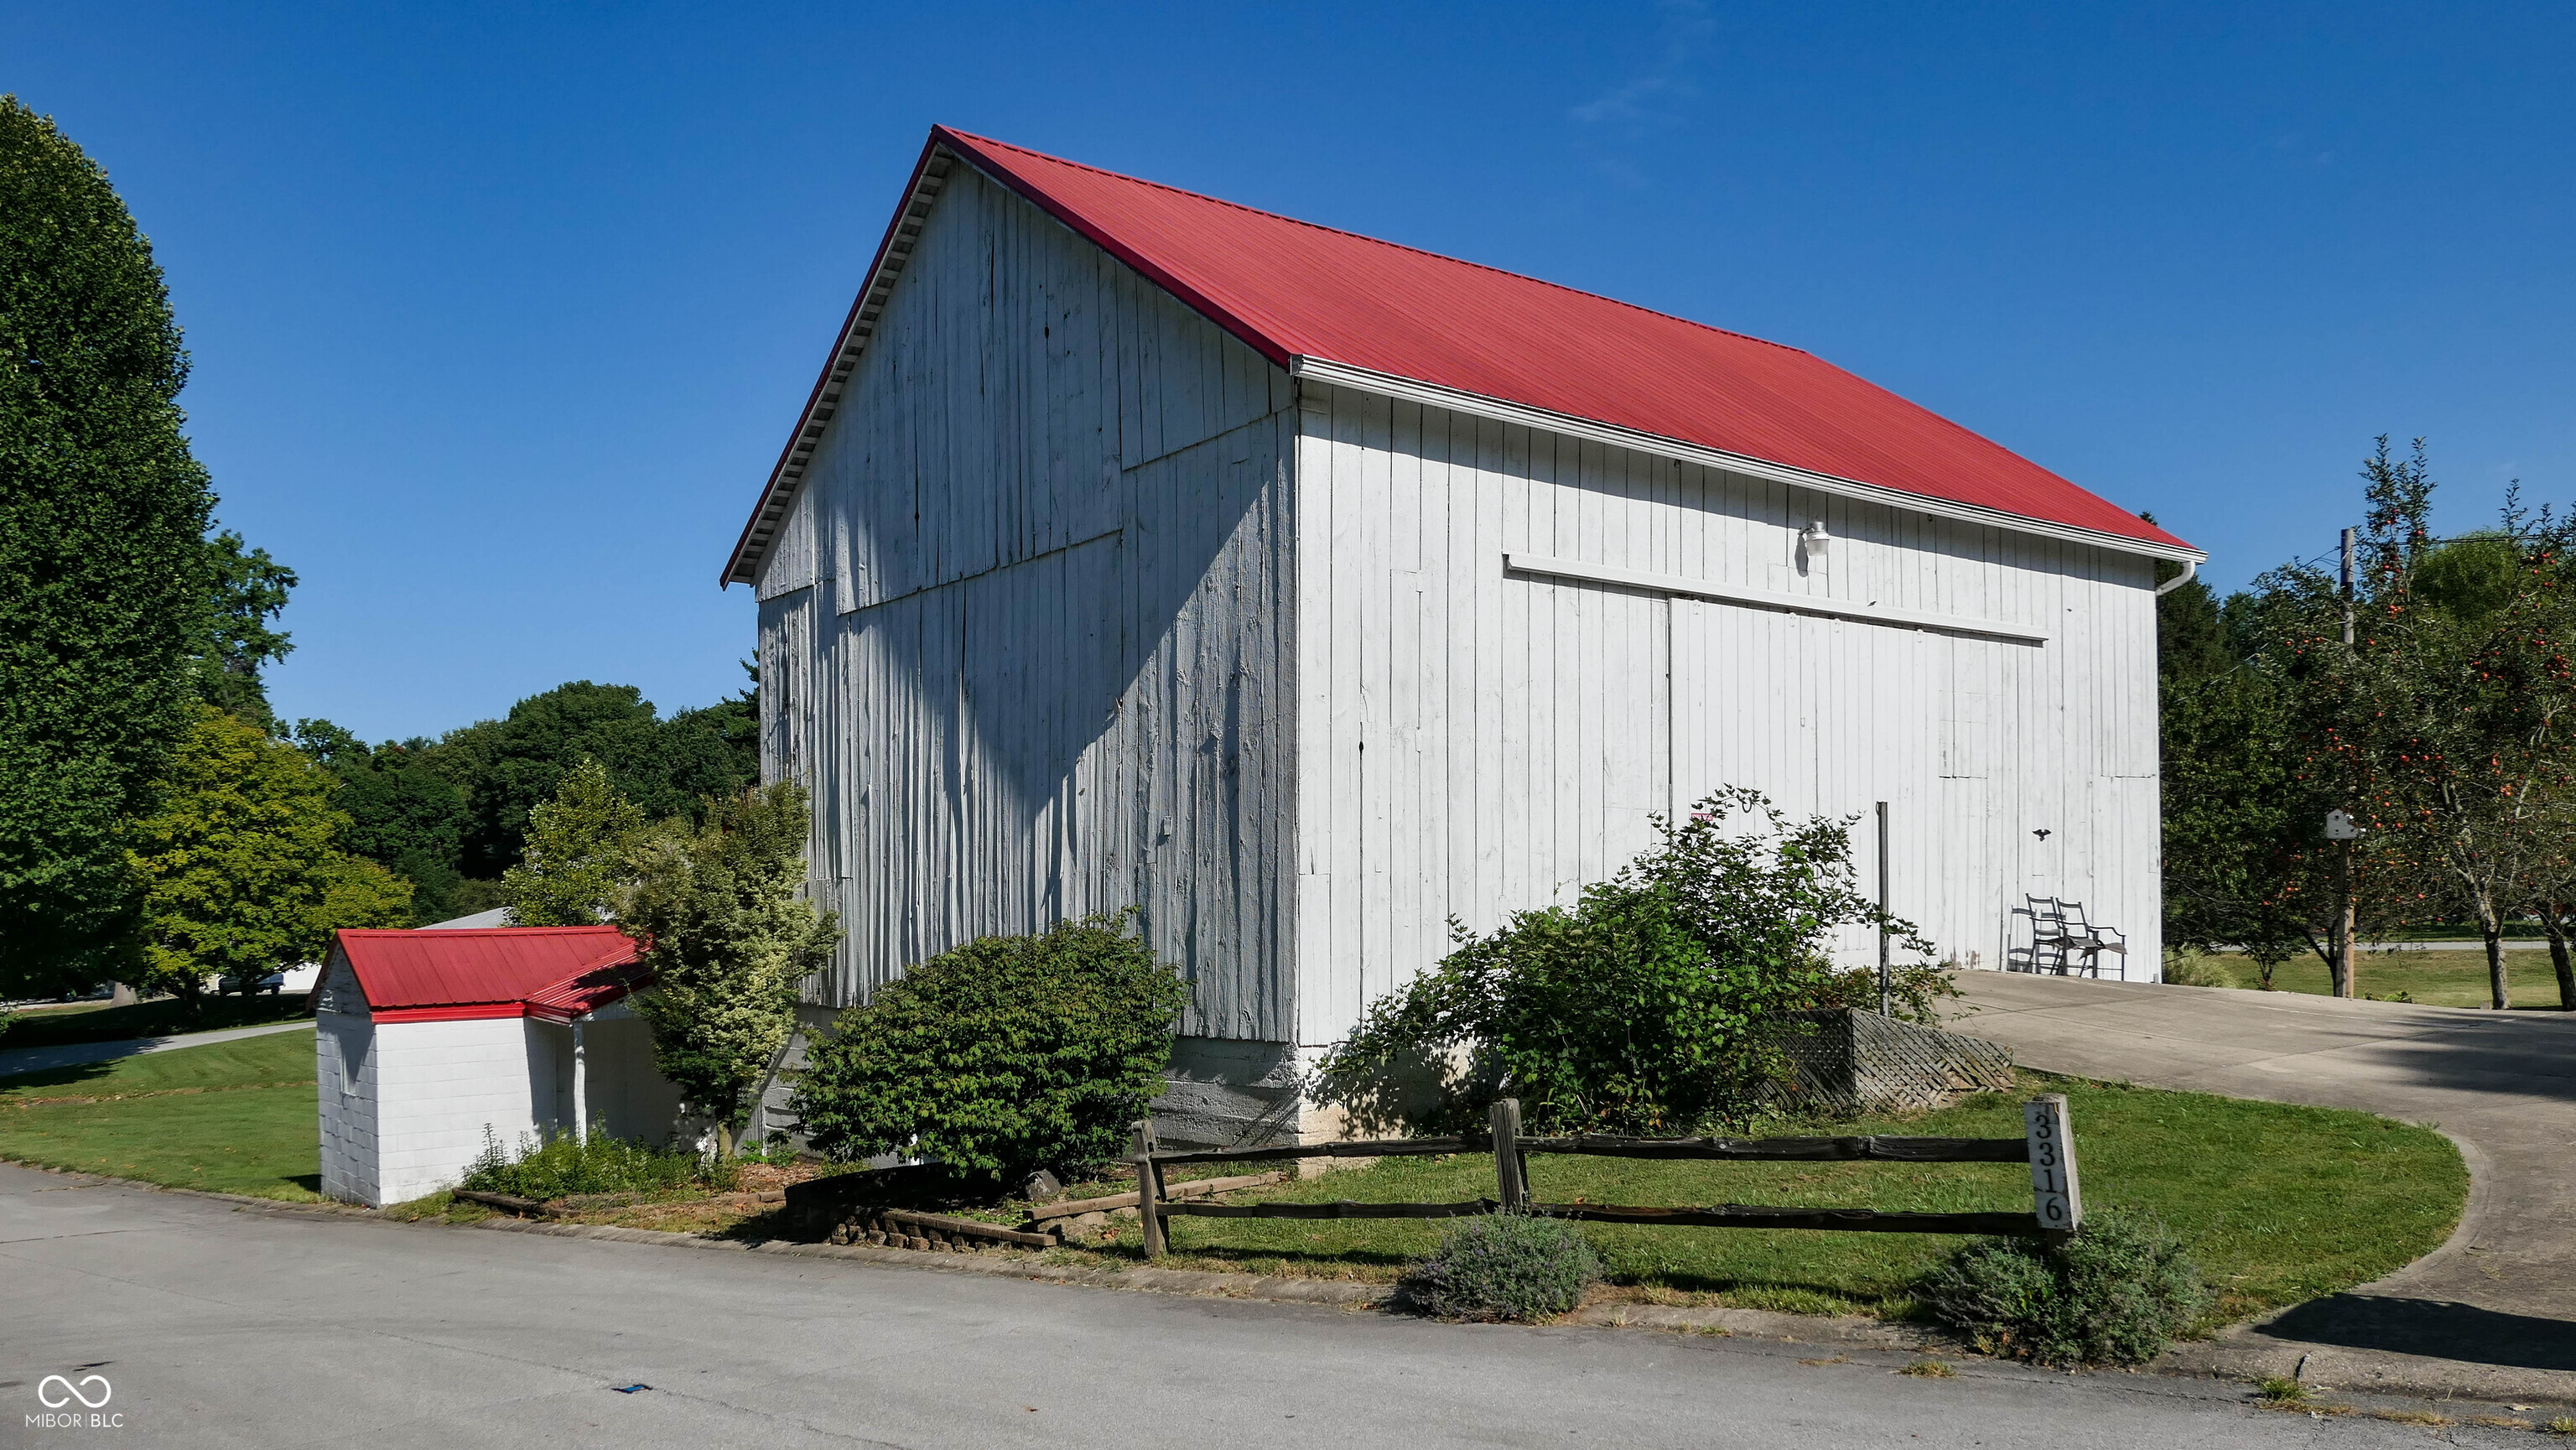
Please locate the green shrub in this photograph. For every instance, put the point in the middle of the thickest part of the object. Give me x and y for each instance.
(1656, 1002)
(559, 1164)
(2115, 1293)
(2197, 969)
(1505, 1266)
(1005, 1055)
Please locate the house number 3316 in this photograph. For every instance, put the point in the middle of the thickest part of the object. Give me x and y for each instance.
(2054, 1194)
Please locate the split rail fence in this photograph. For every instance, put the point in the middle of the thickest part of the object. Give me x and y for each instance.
(2047, 1145)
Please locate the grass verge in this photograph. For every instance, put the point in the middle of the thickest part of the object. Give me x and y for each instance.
(2435, 979)
(230, 1117)
(2279, 1204)
(161, 1017)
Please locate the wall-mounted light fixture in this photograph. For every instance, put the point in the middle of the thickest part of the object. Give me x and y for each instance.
(1815, 539)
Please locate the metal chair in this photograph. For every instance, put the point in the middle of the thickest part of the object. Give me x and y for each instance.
(2091, 940)
(2049, 941)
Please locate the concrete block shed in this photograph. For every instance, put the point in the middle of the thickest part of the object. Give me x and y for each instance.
(428, 1038)
(1306, 591)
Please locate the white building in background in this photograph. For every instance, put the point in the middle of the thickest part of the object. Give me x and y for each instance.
(1306, 591)
(428, 1039)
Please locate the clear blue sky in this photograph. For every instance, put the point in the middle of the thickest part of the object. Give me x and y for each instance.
(501, 314)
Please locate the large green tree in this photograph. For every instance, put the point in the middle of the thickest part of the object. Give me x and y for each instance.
(577, 856)
(667, 767)
(729, 940)
(453, 814)
(406, 811)
(2442, 726)
(2228, 832)
(104, 570)
(241, 867)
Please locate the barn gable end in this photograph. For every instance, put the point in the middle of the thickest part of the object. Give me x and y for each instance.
(1025, 624)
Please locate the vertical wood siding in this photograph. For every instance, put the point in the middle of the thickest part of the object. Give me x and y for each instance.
(1473, 743)
(1024, 632)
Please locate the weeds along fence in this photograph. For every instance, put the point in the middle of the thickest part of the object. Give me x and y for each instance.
(2047, 1145)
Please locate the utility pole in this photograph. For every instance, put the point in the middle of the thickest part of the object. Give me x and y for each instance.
(1883, 986)
(2347, 587)
(2344, 914)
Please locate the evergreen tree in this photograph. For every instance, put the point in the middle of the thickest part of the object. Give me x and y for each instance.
(729, 941)
(576, 856)
(103, 563)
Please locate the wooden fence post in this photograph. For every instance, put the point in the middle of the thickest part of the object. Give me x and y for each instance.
(2055, 1196)
(1511, 1182)
(1149, 1199)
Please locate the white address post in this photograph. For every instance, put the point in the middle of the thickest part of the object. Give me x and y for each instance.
(2054, 1195)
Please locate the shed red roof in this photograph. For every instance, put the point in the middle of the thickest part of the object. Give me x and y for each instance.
(1293, 290)
(556, 972)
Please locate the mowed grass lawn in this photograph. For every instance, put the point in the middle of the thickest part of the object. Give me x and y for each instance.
(2279, 1204)
(233, 1117)
(160, 1017)
(2436, 979)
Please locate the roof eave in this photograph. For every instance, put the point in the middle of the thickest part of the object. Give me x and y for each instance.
(939, 155)
(1390, 385)
(788, 474)
(944, 149)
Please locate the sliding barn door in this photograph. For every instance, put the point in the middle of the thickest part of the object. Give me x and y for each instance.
(1824, 716)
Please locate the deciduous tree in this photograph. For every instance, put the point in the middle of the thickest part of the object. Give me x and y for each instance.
(728, 941)
(240, 870)
(578, 853)
(247, 589)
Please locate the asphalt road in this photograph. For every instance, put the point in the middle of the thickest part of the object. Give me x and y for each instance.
(209, 1325)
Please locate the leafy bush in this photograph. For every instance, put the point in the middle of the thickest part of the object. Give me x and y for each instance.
(559, 1164)
(2197, 969)
(1005, 1055)
(2115, 1293)
(1655, 1003)
(1506, 1266)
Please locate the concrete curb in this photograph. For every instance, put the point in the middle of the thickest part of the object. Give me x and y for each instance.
(1336, 1292)
(2246, 1353)
(1340, 1293)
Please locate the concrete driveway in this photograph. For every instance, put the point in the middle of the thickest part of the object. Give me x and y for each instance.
(2502, 1292)
(208, 1325)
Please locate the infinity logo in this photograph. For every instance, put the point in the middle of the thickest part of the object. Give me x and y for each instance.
(71, 1392)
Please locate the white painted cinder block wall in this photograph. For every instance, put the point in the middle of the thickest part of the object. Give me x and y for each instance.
(439, 1084)
(344, 1073)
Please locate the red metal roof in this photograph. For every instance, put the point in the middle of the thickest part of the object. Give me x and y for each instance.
(558, 972)
(1292, 290)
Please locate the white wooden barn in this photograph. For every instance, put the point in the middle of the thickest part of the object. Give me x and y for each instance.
(425, 1039)
(1306, 591)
